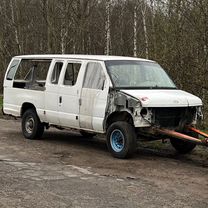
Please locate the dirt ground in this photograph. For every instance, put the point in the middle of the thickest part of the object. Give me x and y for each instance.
(67, 170)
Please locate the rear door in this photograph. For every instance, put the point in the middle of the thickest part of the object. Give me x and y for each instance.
(69, 92)
(93, 97)
(52, 98)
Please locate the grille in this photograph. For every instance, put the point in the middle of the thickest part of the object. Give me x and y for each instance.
(168, 117)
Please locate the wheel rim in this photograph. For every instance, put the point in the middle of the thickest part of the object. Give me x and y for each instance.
(117, 140)
(29, 125)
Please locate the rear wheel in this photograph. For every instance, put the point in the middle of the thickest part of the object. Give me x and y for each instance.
(183, 147)
(121, 139)
(32, 128)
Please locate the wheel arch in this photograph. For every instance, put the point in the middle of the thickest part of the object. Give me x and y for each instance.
(26, 106)
(118, 116)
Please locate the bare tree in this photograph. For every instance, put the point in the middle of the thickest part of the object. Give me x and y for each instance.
(107, 27)
(143, 11)
(135, 31)
(15, 25)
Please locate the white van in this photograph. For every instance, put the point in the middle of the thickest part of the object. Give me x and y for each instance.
(122, 97)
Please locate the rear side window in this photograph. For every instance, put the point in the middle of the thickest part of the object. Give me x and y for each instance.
(56, 72)
(12, 69)
(94, 76)
(31, 74)
(30, 70)
(71, 73)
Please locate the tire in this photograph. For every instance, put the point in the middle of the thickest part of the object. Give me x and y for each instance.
(87, 134)
(32, 128)
(121, 140)
(183, 147)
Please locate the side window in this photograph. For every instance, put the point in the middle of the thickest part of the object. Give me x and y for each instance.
(12, 69)
(56, 72)
(32, 70)
(31, 74)
(94, 76)
(71, 73)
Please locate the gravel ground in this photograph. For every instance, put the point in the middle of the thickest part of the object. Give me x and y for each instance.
(65, 169)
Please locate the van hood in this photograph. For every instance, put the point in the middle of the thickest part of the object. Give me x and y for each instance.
(164, 98)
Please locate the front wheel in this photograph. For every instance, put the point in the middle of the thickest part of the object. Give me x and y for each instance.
(121, 139)
(32, 128)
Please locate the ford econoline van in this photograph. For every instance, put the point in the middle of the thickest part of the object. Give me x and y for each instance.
(122, 97)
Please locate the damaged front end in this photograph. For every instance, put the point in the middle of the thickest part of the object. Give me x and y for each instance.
(121, 103)
(162, 117)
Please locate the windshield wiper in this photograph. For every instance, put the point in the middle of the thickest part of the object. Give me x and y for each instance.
(162, 87)
(144, 87)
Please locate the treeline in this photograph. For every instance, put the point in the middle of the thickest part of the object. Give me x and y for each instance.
(172, 32)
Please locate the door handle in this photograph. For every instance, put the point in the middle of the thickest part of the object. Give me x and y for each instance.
(60, 99)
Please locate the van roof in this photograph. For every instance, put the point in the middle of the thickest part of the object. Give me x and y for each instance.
(79, 56)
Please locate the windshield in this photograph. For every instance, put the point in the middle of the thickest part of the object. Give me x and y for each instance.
(138, 75)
